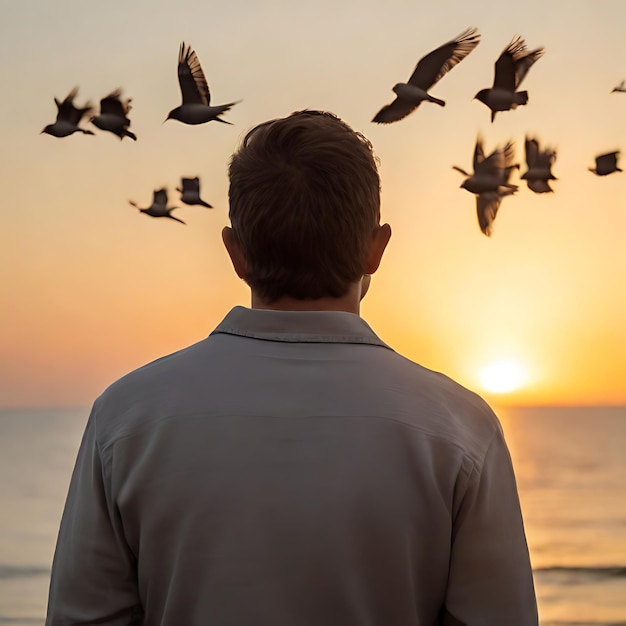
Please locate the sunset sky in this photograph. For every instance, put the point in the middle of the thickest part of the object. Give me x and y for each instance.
(91, 288)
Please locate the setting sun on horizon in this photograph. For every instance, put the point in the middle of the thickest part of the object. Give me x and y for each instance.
(92, 289)
(502, 376)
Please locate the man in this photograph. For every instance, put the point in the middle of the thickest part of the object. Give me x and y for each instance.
(291, 469)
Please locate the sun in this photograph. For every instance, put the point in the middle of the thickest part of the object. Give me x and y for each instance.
(502, 376)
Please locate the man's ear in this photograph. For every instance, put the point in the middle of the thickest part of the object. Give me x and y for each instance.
(378, 243)
(233, 247)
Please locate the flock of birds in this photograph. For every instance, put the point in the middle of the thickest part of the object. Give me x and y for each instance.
(489, 181)
(189, 194)
(195, 109)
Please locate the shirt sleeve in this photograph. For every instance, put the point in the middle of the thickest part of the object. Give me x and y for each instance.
(490, 580)
(94, 579)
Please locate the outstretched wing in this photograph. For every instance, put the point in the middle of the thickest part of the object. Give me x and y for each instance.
(68, 99)
(607, 162)
(504, 77)
(159, 197)
(508, 153)
(491, 165)
(191, 185)
(395, 111)
(479, 154)
(531, 147)
(508, 156)
(546, 158)
(193, 85)
(487, 205)
(499, 164)
(113, 105)
(513, 64)
(66, 111)
(439, 62)
(524, 63)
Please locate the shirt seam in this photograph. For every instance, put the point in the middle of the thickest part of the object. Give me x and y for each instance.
(105, 446)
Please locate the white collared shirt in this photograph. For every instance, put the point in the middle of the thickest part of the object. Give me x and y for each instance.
(291, 470)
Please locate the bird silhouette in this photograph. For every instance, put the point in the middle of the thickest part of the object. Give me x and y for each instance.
(190, 192)
(428, 71)
(606, 164)
(620, 88)
(490, 181)
(539, 163)
(491, 173)
(510, 69)
(114, 115)
(159, 207)
(68, 117)
(196, 107)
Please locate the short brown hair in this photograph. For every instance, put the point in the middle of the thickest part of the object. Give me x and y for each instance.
(304, 201)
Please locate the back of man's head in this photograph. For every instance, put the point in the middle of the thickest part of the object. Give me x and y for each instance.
(304, 202)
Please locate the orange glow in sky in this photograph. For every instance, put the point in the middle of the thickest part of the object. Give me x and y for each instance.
(91, 288)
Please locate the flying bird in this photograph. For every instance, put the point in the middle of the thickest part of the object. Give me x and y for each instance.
(490, 181)
(510, 69)
(606, 164)
(196, 107)
(68, 117)
(159, 207)
(428, 71)
(491, 173)
(190, 192)
(539, 164)
(620, 88)
(114, 115)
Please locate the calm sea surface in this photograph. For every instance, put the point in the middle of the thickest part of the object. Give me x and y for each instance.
(571, 471)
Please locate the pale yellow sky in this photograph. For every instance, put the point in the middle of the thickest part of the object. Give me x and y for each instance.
(92, 289)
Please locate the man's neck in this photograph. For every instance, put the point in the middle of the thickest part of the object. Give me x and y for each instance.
(349, 303)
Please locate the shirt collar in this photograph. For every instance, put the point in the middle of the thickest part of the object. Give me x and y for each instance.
(299, 326)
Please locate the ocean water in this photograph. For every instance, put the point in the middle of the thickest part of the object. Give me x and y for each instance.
(571, 471)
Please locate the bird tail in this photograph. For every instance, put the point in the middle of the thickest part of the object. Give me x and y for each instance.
(521, 98)
(493, 115)
(223, 108)
(86, 132)
(539, 186)
(226, 107)
(131, 135)
(206, 204)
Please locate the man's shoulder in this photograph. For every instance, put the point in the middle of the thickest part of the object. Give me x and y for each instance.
(157, 370)
(439, 406)
(148, 391)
